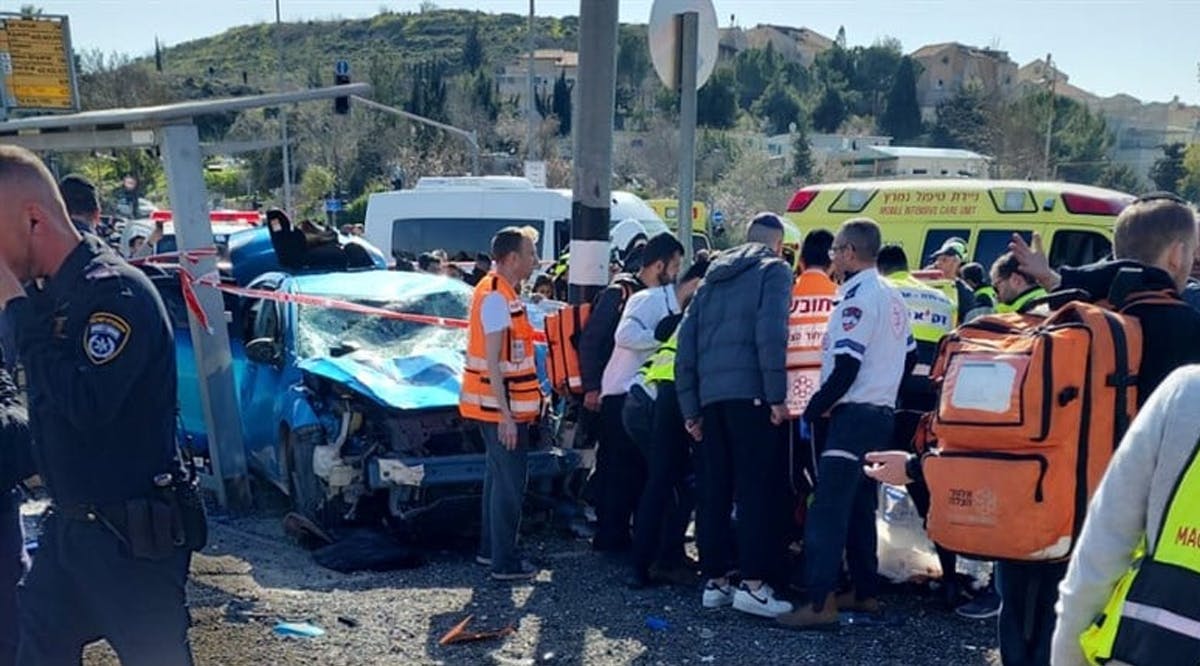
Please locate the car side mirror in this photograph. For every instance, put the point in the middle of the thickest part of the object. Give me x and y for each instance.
(264, 350)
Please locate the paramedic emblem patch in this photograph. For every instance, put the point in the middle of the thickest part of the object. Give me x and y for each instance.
(104, 337)
(850, 318)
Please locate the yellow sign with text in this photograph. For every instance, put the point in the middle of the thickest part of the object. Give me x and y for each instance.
(35, 58)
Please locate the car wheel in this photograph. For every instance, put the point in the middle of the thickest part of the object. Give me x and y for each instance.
(307, 491)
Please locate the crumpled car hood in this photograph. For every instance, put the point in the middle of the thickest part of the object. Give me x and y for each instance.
(425, 381)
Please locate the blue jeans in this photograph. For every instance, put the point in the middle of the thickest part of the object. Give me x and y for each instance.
(842, 515)
(1028, 591)
(503, 494)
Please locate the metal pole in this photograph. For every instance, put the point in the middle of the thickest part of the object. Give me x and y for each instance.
(597, 82)
(474, 139)
(531, 92)
(468, 136)
(688, 25)
(214, 365)
(283, 125)
(1050, 120)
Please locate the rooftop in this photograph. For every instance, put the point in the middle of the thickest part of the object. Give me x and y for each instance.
(928, 153)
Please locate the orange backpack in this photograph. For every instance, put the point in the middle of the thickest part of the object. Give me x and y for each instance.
(562, 343)
(1030, 411)
(563, 329)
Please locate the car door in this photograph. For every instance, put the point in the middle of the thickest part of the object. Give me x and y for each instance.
(262, 381)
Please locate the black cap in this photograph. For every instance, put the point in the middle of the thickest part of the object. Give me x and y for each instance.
(768, 220)
(79, 195)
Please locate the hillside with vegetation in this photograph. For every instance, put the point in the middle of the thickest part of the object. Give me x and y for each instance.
(443, 64)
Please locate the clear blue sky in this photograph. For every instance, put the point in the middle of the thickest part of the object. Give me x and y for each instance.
(1146, 49)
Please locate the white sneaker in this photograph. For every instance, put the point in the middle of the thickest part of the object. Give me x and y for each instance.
(760, 602)
(717, 596)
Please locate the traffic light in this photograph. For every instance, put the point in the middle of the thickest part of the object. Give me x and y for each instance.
(341, 76)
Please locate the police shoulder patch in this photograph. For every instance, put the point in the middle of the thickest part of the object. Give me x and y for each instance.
(104, 337)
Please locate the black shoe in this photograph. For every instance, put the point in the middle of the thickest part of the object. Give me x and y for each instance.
(640, 580)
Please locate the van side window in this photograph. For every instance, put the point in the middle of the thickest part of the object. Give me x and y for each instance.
(934, 239)
(562, 237)
(1076, 248)
(992, 244)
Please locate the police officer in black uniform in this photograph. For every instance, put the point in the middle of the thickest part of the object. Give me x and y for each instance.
(16, 463)
(98, 353)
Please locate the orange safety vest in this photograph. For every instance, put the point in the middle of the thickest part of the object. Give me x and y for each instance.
(812, 303)
(476, 400)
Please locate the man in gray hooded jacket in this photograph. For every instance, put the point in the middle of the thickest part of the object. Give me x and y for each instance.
(730, 373)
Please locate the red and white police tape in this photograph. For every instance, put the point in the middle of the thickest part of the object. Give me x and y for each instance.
(213, 280)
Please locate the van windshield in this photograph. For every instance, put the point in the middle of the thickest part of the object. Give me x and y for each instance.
(469, 237)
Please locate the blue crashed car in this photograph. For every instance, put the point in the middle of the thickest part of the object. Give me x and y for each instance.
(339, 407)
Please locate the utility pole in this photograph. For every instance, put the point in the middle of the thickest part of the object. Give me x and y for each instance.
(287, 150)
(530, 93)
(1050, 119)
(688, 26)
(593, 148)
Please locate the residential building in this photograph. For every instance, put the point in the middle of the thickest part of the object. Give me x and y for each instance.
(796, 44)
(904, 161)
(1139, 129)
(948, 68)
(548, 66)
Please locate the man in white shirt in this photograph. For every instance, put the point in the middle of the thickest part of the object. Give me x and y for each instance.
(868, 348)
(619, 465)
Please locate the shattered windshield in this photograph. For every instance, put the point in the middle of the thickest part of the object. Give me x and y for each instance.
(323, 331)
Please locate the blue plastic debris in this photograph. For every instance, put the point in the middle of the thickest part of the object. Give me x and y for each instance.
(298, 630)
(657, 623)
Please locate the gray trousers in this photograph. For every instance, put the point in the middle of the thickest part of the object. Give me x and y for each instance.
(503, 495)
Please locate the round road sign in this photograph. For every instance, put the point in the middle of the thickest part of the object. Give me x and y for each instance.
(664, 39)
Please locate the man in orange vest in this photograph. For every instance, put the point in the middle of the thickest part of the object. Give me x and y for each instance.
(500, 392)
(812, 303)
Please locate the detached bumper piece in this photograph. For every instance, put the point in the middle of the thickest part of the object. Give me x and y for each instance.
(463, 469)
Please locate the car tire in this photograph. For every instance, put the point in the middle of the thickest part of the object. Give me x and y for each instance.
(307, 491)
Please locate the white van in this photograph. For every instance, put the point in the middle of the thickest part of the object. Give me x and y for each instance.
(461, 214)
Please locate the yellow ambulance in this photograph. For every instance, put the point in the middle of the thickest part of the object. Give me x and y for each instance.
(668, 210)
(1075, 221)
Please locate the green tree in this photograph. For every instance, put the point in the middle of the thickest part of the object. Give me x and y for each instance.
(802, 159)
(831, 112)
(1168, 170)
(473, 50)
(1080, 142)
(316, 183)
(1122, 178)
(755, 69)
(633, 57)
(716, 102)
(902, 119)
(483, 93)
(963, 122)
(1189, 184)
(779, 106)
(561, 104)
(875, 71)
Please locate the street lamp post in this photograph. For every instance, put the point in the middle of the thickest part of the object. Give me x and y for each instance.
(287, 152)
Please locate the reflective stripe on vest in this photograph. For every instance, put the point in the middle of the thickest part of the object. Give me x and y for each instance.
(930, 312)
(476, 400)
(812, 303)
(1152, 616)
(987, 292)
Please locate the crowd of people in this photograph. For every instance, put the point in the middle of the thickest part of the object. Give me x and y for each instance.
(767, 400)
(760, 399)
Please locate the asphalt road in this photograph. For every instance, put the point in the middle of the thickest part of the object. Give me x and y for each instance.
(577, 612)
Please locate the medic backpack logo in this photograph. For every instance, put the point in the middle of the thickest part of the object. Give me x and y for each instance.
(850, 318)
